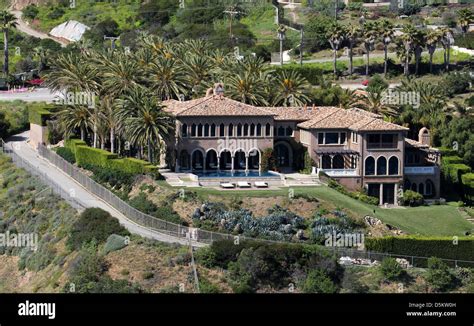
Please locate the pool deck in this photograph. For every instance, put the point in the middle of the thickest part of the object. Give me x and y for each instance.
(189, 180)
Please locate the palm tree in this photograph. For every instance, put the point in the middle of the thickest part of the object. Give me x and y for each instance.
(42, 54)
(198, 70)
(145, 120)
(7, 22)
(335, 37)
(247, 88)
(447, 40)
(72, 117)
(167, 77)
(419, 42)
(465, 17)
(352, 36)
(408, 39)
(374, 102)
(369, 34)
(348, 99)
(432, 39)
(385, 29)
(290, 89)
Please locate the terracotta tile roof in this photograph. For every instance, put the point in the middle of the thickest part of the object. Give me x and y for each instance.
(415, 143)
(322, 117)
(214, 106)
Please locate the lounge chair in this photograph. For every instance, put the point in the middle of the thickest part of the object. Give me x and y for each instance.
(261, 184)
(244, 184)
(227, 185)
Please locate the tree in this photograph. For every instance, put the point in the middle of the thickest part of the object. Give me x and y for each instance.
(315, 31)
(352, 36)
(74, 117)
(247, 87)
(385, 29)
(290, 89)
(419, 42)
(465, 17)
(374, 102)
(432, 39)
(335, 37)
(438, 274)
(7, 22)
(391, 269)
(447, 40)
(318, 282)
(4, 125)
(145, 120)
(369, 34)
(408, 39)
(167, 77)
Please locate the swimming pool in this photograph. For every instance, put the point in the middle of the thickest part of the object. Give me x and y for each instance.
(235, 174)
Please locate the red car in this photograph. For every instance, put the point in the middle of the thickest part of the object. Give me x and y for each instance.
(365, 82)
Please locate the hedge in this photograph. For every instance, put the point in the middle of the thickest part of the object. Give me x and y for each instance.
(442, 247)
(39, 114)
(86, 155)
(353, 194)
(453, 172)
(130, 165)
(446, 151)
(452, 160)
(468, 186)
(313, 74)
(72, 143)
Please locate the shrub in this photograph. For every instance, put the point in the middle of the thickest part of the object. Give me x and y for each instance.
(72, 143)
(66, 154)
(115, 242)
(442, 247)
(313, 74)
(86, 155)
(318, 282)
(30, 11)
(205, 286)
(391, 269)
(453, 172)
(143, 204)
(439, 276)
(377, 83)
(4, 126)
(411, 198)
(456, 83)
(353, 194)
(39, 114)
(451, 160)
(308, 163)
(94, 224)
(268, 160)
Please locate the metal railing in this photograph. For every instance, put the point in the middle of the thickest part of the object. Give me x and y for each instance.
(173, 229)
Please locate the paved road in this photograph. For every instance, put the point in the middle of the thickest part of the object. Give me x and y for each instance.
(21, 147)
(25, 28)
(38, 95)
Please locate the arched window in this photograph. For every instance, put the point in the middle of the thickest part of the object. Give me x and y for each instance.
(413, 187)
(246, 129)
(268, 130)
(281, 131)
(213, 130)
(252, 130)
(381, 166)
(199, 130)
(193, 130)
(259, 129)
(407, 185)
(231, 130)
(326, 162)
(429, 189)
(338, 162)
(222, 130)
(206, 130)
(184, 130)
(289, 131)
(369, 166)
(239, 130)
(393, 166)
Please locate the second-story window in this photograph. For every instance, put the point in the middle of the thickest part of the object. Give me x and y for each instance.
(193, 130)
(382, 141)
(222, 130)
(184, 130)
(331, 138)
(289, 131)
(268, 130)
(259, 130)
(231, 130)
(213, 130)
(354, 137)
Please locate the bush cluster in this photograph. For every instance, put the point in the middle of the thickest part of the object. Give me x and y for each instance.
(411, 198)
(353, 194)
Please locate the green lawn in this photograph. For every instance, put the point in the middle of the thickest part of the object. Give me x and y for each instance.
(442, 220)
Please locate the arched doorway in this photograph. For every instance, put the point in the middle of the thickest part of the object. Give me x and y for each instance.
(211, 160)
(225, 162)
(184, 161)
(254, 160)
(239, 160)
(283, 154)
(197, 160)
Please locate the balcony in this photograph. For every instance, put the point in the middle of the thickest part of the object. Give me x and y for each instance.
(340, 172)
(420, 170)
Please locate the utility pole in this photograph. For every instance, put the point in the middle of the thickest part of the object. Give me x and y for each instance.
(112, 40)
(193, 264)
(281, 36)
(231, 12)
(301, 46)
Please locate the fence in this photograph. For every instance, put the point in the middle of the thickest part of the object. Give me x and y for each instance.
(55, 187)
(173, 229)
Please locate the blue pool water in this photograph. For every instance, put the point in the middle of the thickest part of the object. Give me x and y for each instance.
(235, 174)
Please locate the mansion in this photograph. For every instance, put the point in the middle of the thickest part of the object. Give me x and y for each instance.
(352, 146)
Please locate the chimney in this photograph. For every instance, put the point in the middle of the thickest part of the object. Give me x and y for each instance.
(209, 92)
(424, 136)
(219, 89)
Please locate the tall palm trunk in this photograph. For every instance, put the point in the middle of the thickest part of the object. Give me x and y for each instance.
(5, 52)
(367, 63)
(335, 62)
(431, 60)
(150, 151)
(82, 134)
(385, 65)
(350, 58)
(407, 63)
(112, 140)
(448, 57)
